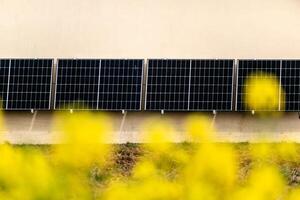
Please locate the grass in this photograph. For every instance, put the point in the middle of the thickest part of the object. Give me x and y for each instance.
(125, 157)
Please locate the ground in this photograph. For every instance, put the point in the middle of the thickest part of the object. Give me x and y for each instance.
(125, 157)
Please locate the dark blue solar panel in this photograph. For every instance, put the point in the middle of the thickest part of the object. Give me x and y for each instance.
(77, 84)
(195, 85)
(253, 68)
(108, 84)
(29, 84)
(211, 85)
(120, 84)
(168, 84)
(290, 82)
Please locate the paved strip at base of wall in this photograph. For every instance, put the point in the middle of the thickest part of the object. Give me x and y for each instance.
(230, 127)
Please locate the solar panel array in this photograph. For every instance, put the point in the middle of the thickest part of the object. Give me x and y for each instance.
(197, 85)
(116, 84)
(108, 84)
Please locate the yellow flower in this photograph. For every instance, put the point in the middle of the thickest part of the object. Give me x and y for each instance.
(118, 190)
(144, 169)
(83, 139)
(2, 128)
(213, 165)
(264, 183)
(158, 135)
(294, 194)
(261, 151)
(288, 151)
(199, 128)
(262, 92)
(10, 166)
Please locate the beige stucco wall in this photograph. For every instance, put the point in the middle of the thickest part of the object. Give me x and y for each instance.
(150, 28)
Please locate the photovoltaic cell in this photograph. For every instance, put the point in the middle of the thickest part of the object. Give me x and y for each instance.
(120, 84)
(168, 84)
(4, 71)
(77, 84)
(29, 84)
(211, 85)
(290, 82)
(254, 68)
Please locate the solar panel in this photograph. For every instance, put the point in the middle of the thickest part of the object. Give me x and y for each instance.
(168, 84)
(108, 84)
(211, 85)
(29, 84)
(290, 82)
(77, 84)
(253, 68)
(4, 72)
(120, 84)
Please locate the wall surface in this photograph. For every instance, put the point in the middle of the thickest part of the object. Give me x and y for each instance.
(150, 28)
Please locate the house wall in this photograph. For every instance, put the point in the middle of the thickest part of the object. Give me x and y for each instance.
(150, 28)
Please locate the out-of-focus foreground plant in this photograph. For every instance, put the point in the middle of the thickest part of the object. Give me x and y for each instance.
(27, 173)
(262, 92)
(208, 171)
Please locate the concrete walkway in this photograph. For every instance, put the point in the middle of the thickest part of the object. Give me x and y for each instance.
(25, 128)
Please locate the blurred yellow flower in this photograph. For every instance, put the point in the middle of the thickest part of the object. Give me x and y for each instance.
(262, 92)
(208, 170)
(294, 194)
(144, 169)
(2, 128)
(158, 135)
(261, 151)
(213, 164)
(199, 128)
(265, 182)
(83, 138)
(288, 151)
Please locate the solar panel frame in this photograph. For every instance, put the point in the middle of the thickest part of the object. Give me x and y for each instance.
(4, 82)
(72, 104)
(239, 104)
(290, 84)
(182, 105)
(146, 86)
(14, 95)
(226, 65)
(135, 97)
